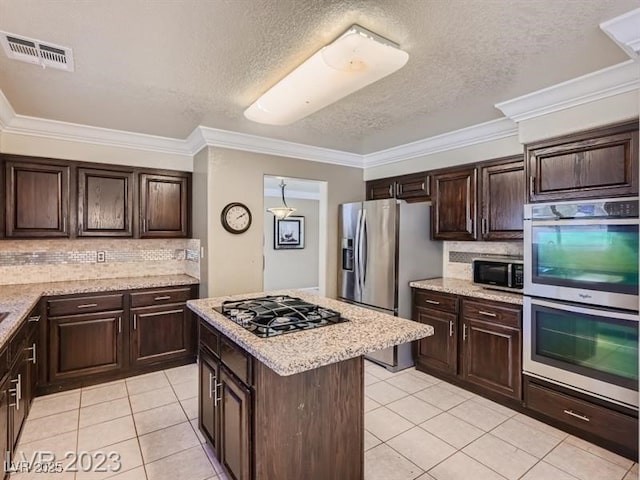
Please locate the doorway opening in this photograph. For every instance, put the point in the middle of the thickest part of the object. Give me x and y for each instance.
(295, 248)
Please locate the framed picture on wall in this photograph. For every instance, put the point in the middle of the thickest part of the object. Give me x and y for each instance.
(288, 233)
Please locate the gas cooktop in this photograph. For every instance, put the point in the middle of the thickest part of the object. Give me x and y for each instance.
(276, 315)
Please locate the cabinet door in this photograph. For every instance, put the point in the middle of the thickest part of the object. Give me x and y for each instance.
(597, 164)
(208, 417)
(491, 357)
(32, 350)
(380, 189)
(5, 430)
(235, 427)
(439, 351)
(502, 192)
(454, 205)
(105, 203)
(164, 201)
(37, 200)
(17, 400)
(161, 333)
(82, 345)
(413, 187)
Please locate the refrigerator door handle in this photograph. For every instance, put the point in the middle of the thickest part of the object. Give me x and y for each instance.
(365, 248)
(358, 251)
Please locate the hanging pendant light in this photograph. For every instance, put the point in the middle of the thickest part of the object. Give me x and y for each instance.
(284, 211)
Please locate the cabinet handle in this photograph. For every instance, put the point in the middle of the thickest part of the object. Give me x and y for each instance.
(87, 305)
(487, 314)
(16, 391)
(422, 187)
(532, 185)
(464, 332)
(144, 224)
(163, 297)
(577, 415)
(64, 224)
(451, 328)
(35, 318)
(33, 349)
(119, 324)
(216, 398)
(391, 190)
(210, 385)
(433, 302)
(135, 321)
(485, 226)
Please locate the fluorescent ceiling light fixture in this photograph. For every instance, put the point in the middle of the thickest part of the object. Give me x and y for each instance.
(284, 211)
(356, 59)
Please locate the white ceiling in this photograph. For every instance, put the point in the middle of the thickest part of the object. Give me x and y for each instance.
(164, 67)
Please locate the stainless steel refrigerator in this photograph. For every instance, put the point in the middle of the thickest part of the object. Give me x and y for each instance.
(385, 244)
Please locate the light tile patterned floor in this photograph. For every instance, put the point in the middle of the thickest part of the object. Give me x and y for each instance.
(417, 428)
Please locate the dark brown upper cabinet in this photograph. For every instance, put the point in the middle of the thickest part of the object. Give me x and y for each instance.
(105, 203)
(413, 187)
(593, 164)
(164, 203)
(380, 189)
(454, 205)
(36, 199)
(502, 190)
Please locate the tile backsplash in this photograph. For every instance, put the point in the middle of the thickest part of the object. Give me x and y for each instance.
(33, 261)
(457, 256)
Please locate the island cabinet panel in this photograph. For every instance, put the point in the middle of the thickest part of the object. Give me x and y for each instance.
(36, 199)
(454, 205)
(85, 344)
(502, 189)
(105, 203)
(208, 421)
(235, 426)
(164, 205)
(593, 164)
(319, 411)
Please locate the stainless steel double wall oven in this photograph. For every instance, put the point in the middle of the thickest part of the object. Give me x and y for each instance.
(581, 296)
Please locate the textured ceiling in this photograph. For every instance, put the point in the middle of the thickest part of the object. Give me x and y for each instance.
(163, 67)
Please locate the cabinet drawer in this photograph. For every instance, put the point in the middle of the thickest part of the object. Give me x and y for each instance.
(160, 297)
(236, 360)
(209, 337)
(73, 306)
(437, 300)
(592, 418)
(493, 312)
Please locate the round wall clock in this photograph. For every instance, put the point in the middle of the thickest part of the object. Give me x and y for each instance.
(236, 218)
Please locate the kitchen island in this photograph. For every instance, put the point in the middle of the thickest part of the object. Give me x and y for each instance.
(290, 406)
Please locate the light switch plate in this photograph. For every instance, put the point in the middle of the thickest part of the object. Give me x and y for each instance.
(101, 257)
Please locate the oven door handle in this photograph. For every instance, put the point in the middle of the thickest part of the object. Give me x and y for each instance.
(584, 310)
(584, 221)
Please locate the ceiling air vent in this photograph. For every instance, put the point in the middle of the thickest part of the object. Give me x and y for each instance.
(34, 51)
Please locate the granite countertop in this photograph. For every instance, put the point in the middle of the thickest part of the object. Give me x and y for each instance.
(466, 288)
(365, 332)
(18, 300)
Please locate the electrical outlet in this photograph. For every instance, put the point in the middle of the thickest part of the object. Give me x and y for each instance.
(101, 258)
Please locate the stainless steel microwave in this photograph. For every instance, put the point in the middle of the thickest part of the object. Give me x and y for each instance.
(501, 273)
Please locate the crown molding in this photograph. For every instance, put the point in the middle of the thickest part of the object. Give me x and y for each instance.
(7, 114)
(214, 137)
(480, 133)
(625, 31)
(277, 193)
(621, 78)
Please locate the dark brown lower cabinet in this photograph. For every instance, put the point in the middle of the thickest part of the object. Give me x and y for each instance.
(85, 344)
(264, 426)
(5, 431)
(235, 427)
(480, 346)
(18, 402)
(160, 333)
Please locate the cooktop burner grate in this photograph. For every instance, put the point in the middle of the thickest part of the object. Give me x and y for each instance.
(276, 315)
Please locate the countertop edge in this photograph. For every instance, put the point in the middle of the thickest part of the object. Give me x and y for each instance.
(466, 288)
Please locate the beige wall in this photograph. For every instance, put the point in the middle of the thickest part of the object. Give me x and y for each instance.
(583, 117)
(200, 212)
(235, 261)
(90, 152)
(503, 147)
(292, 268)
